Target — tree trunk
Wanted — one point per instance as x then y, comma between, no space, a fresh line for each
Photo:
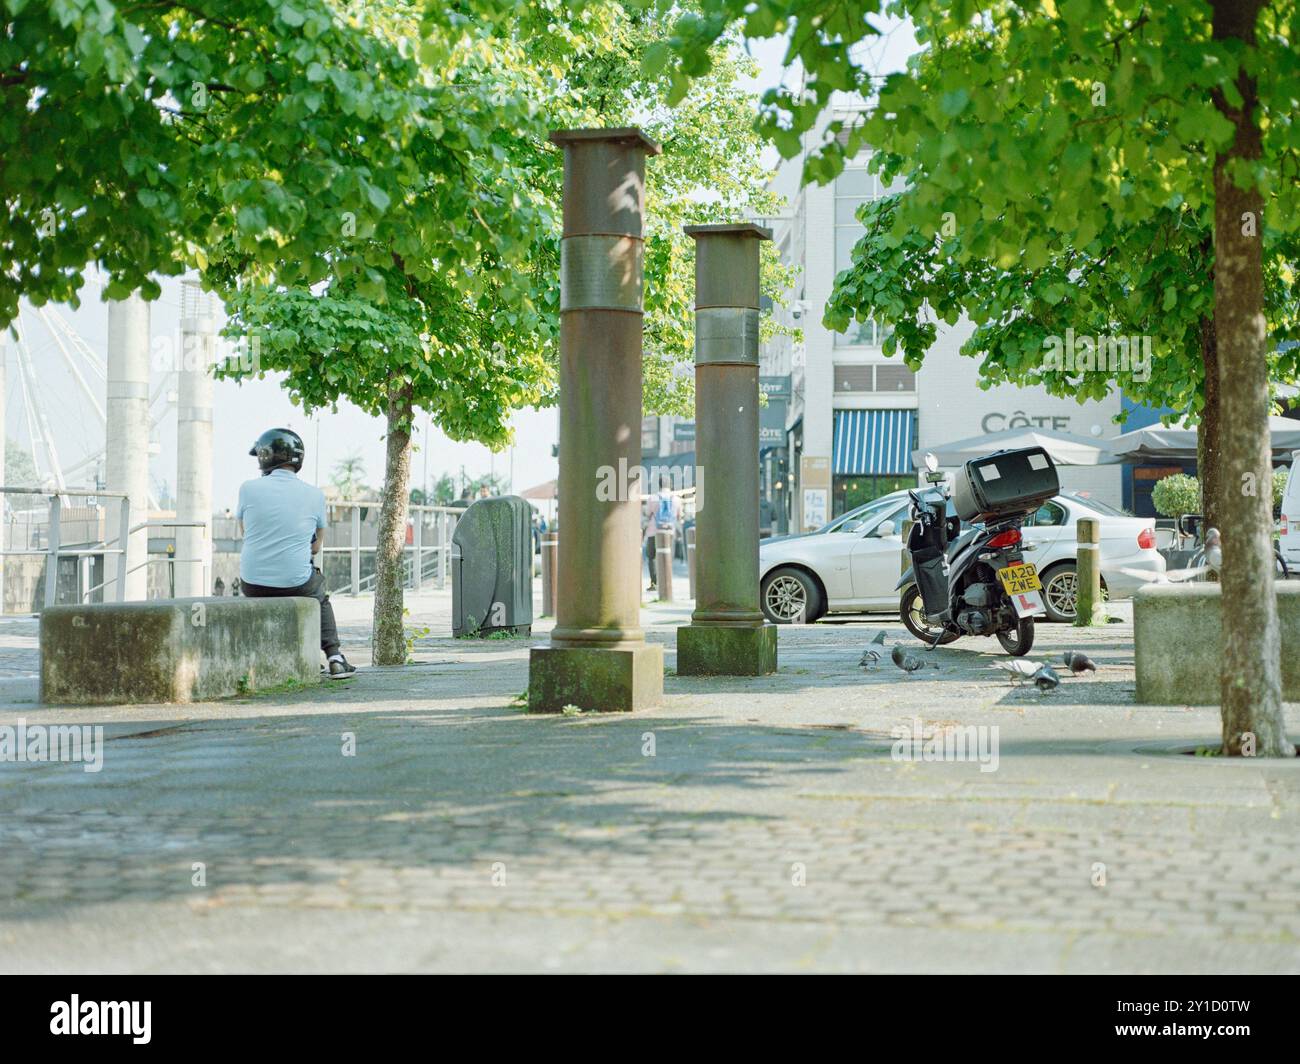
1251,678
1207,437
389,633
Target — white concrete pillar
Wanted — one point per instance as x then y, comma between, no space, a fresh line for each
127,413
194,441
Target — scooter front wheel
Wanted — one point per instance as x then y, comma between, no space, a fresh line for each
912,610
1018,641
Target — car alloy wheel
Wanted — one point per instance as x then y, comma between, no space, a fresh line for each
786,598
1061,594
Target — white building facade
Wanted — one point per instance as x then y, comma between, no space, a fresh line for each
855,416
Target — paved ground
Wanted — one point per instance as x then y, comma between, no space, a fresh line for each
770,830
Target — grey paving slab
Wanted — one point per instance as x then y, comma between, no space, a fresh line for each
771,830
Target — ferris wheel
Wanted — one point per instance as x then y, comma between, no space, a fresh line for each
53,384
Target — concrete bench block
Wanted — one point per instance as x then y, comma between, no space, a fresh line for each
177,650
1177,635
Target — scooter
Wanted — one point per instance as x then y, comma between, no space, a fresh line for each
975,582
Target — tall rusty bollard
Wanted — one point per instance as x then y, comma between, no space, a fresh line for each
1089,608
550,553
598,657
664,564
728,635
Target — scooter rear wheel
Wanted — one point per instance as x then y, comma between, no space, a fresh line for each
912,610
1018,643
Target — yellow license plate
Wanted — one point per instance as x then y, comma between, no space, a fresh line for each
1017,579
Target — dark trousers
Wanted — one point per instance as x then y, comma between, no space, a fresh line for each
313,588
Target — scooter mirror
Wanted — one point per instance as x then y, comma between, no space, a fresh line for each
931,462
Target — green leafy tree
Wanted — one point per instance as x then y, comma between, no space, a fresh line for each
1145,284
144,137
447,314
1176,495
349,477
1279,489
20,469
444,490
1032,130
494,482
456,312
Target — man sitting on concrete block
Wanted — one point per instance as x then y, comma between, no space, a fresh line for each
283,522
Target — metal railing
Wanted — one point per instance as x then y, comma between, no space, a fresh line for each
54,549
423,561
169,559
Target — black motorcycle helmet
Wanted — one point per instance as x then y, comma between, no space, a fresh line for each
279,449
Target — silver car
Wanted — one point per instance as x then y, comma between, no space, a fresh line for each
851,564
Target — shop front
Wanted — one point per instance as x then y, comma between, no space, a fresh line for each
872,456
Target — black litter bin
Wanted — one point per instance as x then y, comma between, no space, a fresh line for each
492,569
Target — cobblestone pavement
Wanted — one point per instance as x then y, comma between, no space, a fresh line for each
20,655
771,829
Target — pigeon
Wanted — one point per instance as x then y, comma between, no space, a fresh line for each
904,660
1018,668
1045,679
870,658
1078,662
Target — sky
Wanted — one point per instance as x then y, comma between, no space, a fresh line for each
243,411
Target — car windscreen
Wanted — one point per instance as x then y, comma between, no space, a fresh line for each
1096,504
862,513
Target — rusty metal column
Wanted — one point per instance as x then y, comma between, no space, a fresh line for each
727,635
598,657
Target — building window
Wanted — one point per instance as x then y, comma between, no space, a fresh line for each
871,377
855,378
895,379
852,491
650,435
854,187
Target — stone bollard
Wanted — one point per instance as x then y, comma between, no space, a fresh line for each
598,657
1089,609
690,559
550,554
664,564
728,635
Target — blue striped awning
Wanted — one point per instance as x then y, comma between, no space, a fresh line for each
875,442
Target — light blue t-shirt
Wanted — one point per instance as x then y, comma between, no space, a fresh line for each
280,515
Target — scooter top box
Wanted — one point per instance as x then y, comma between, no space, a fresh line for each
1005,483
